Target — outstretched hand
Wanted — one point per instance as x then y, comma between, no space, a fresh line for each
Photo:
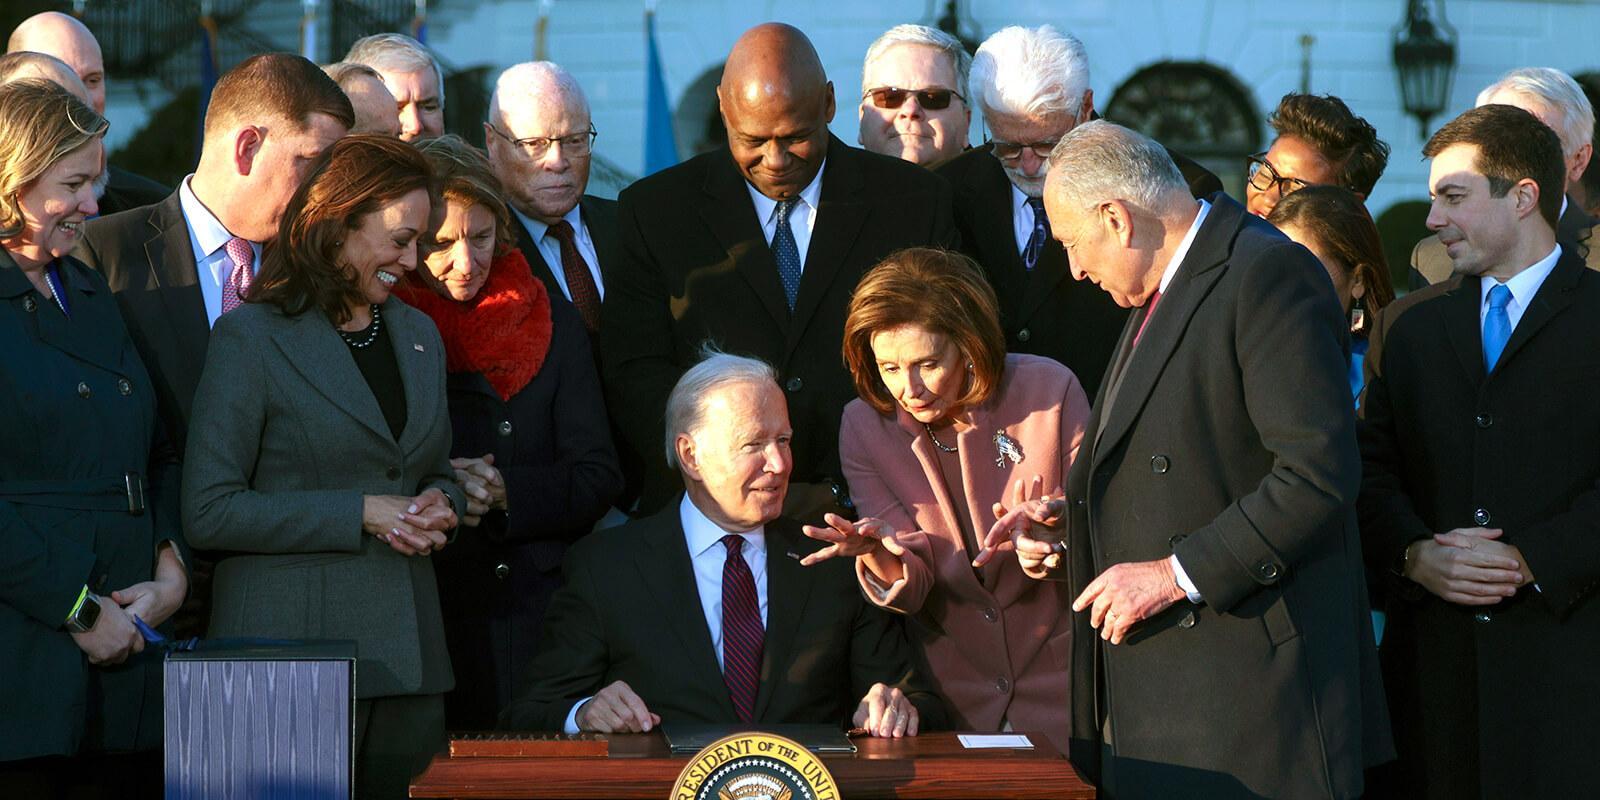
1030,526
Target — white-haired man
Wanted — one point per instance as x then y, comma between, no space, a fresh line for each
56,34
914,95
736,630
1032,87
412,75
1559,102
1211,538
541,142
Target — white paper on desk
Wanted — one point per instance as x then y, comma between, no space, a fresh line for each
976,741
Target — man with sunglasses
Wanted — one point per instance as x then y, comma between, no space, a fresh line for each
1319,142
758,247
1032,86
913,95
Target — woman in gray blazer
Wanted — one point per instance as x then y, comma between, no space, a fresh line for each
321,461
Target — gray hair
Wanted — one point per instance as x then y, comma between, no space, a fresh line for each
949,45
1100,161
1030,72
526,81
344,73
1556,90
396,52
686,404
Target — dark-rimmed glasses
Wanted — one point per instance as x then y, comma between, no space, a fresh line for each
1262,177
930,99
576,145
1011,151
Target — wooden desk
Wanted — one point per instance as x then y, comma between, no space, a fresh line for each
934,765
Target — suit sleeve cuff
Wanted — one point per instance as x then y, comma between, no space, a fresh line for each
1184,583
571,725
875,588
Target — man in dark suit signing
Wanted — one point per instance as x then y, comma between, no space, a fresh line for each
1212,539
758,247
703,612
1481,492
1032,85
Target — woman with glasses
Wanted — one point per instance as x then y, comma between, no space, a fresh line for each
531,441
88,484
946,426
1319,142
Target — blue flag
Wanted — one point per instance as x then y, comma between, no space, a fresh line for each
660,146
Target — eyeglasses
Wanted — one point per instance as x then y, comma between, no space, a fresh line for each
576,145
1263,177
1011,151
930,99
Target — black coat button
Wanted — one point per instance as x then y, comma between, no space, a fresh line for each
1024,335
1160,464
1002,685
1485,420
29,305
393,473
1267,570
794,385
1187,621
124,387
991,615
83,390
505,428
502,570
1481,516
1081,502
1173,540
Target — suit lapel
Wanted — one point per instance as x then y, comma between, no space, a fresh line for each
419,374
1574,226
601,220
1050,270
170,255
536,262
1553,297
664,569
841,213
1462,327
979,480
81,341
996,238
726,209
313,347
788,591
1196,274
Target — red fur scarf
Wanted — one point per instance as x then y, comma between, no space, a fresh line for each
503,332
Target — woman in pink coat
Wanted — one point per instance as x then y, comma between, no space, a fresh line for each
947,427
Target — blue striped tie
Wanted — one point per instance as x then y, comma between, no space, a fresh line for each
1496,326
787,252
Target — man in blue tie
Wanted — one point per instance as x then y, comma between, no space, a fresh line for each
1480,500
703,613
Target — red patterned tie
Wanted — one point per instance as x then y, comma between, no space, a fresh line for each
237,288
1149,311
580,283
742,633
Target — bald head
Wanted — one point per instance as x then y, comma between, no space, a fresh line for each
64,37
25,64
776,103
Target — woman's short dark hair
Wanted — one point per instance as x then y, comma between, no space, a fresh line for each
357,176
940,291
1344,139
1339,223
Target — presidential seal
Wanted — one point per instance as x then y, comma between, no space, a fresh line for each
755,766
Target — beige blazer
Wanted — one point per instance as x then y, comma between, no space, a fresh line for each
997,642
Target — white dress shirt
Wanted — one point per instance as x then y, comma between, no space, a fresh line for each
550,248
1021,218
209,238
802,221
708,554
1524,285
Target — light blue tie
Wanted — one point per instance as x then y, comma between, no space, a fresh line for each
1496,326
787,252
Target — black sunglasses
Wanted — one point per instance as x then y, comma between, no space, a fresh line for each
931,99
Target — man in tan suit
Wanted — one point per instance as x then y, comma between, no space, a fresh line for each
1557,100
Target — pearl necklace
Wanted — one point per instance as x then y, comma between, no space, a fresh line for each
372,331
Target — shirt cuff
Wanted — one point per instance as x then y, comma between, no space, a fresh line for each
571,725
1184,583
879,591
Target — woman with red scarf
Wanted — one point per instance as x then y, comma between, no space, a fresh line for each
531,444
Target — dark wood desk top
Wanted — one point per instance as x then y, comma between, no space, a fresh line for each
933,765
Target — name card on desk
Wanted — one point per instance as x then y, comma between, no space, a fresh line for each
983,741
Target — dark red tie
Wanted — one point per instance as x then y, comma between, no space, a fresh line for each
580,283
742,634
1149,311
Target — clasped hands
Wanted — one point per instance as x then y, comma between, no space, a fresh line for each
114,637
484,485
1467,566
1117,599
884,711
411,525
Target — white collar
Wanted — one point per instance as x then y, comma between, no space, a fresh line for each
702,534
208,231
811,196
1525,284
538,228
1183,246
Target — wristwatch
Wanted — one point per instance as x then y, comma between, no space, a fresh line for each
87,614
